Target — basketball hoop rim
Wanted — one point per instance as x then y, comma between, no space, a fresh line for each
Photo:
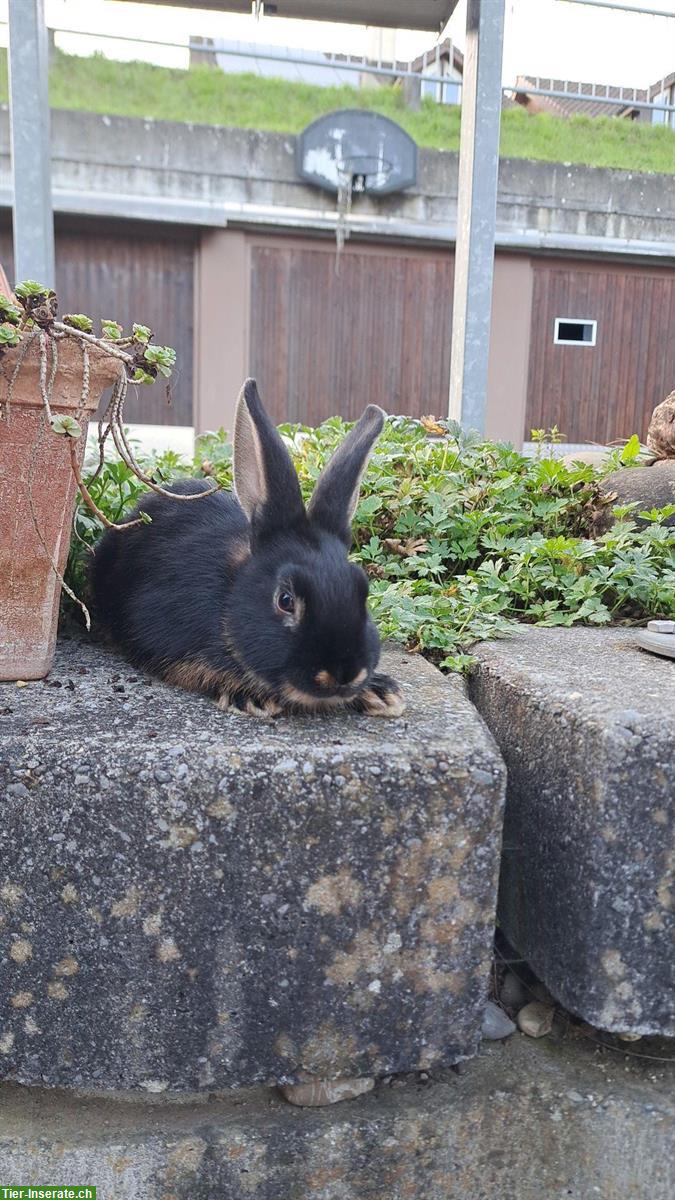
348,167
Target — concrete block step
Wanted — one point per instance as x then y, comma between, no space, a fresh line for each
586,723
193,900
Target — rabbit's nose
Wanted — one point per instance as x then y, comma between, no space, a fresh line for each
325,679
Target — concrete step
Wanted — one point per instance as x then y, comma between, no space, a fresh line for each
193,900
528,1120
586,723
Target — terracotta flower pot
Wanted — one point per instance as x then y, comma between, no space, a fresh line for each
35,461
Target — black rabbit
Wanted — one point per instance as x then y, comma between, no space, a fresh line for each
251,598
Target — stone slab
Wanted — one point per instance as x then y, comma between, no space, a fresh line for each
529,1120
198,900
586,723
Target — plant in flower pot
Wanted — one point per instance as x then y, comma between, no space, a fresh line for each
52,376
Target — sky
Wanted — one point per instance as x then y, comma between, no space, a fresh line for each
542,37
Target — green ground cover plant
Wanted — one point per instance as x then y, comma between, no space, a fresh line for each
205,95
461,537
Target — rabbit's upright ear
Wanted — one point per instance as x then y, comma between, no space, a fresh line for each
265,481
336,495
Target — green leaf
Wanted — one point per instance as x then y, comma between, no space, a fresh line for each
163,357
631,451
111,330
79,321
458,662
9,336
658,515
142,333
9,312
66,426
369,506
141,376
29,288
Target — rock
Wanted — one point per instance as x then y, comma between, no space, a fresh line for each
496,1024
586,723
311,898
661,432
321,1092
540,992
648,487
513,993
536,1019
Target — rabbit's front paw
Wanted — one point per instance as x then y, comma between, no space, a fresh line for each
242,705
381,698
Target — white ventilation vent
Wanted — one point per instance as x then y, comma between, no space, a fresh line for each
574,331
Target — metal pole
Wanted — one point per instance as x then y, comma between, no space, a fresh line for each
31,160
476,211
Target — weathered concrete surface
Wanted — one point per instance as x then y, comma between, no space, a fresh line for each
194,900
210,175
528,1121
586,724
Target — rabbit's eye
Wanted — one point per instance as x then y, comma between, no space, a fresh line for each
286,602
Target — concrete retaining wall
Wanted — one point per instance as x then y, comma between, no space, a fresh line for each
527,1121
208,175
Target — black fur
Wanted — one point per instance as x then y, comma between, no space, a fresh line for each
198,584
158,591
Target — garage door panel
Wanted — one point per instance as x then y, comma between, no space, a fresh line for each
375,331
607,391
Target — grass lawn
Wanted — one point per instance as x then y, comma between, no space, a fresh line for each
204,95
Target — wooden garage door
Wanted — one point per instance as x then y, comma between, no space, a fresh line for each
607,391
131,274
378,332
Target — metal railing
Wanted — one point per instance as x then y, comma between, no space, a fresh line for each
642,9
319,58
628,98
